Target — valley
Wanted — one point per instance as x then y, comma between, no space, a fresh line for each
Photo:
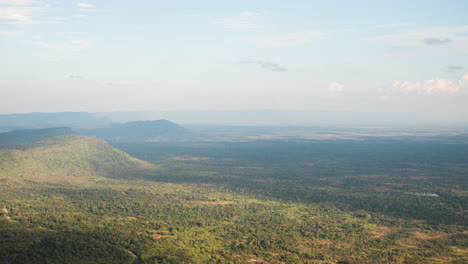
233,132
75,199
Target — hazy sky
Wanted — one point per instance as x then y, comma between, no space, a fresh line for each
109,55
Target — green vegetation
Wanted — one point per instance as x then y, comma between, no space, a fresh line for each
32,135
76,199
154,130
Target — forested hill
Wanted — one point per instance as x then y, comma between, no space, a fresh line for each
154,130
64,158
32,135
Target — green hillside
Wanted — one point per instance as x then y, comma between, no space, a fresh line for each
154,130
40,184
68,158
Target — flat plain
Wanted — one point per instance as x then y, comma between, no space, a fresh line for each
376,199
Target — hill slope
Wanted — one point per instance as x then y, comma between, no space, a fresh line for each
154,130
32,135
63,158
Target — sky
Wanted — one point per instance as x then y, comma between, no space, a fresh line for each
364,56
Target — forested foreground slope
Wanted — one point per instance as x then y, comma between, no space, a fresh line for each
76,199
67,158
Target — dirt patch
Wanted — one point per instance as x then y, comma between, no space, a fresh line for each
344,245
417,178
323,242
419,235
158,236
6,213
460,192
408,243
380,231
216,202
441,260
189,158
461,251
424,235
257,260
204,184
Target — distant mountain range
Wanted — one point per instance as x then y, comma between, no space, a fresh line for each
32,135
84,120
272,117
47,120
156,130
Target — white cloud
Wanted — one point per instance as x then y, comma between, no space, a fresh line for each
335,89
267,65
30,11
85,7
287,39
21,11
436,41
427,87
19,14
69,45
430,87
441,40
18,2
245,21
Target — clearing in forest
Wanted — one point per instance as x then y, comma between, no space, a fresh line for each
6,213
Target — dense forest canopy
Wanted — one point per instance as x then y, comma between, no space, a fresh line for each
75,199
